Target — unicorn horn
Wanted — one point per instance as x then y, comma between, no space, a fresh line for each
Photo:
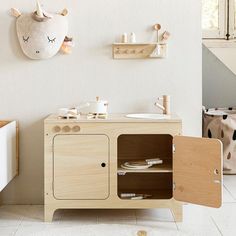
39,10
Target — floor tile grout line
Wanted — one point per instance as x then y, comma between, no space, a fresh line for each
216,226
176,225
18,226
153,218
21,220
177,228
229,192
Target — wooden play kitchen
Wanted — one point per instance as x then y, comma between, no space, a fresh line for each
83,165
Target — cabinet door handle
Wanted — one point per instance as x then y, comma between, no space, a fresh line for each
103,164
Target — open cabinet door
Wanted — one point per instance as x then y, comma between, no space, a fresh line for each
197,171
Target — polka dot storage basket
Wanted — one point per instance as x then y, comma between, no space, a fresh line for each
220,123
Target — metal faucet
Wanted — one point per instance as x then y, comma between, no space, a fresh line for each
166,104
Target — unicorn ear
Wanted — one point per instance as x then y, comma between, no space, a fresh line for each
15,12
64,12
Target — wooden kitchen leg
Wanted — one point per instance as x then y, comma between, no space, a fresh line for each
177,211
48,213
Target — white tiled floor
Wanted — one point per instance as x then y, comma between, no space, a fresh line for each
198,221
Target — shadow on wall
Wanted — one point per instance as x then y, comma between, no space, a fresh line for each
219,82
14,41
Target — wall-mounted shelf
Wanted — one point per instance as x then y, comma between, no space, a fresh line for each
139,50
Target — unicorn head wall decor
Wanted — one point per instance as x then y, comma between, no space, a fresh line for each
42,35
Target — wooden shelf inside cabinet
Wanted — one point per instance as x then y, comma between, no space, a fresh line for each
163,168
139,50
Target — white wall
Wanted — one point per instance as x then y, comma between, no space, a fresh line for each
226,56
30,90
219,82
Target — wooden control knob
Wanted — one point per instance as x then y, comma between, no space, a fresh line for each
57,129
76,128
66,128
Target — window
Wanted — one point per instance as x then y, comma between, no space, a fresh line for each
210,19
219,19
213,18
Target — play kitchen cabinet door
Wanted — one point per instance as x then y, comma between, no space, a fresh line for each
197,171
191,172
81,167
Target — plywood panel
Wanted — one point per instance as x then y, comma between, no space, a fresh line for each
78,173
145,146
159,185
3,123
115,126
197,171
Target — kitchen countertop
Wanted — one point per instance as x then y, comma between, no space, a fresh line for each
113,118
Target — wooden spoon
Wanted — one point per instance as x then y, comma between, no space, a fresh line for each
157,27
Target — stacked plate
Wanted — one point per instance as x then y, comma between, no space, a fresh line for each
135,165
141,165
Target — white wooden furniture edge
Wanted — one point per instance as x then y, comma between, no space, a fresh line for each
9,152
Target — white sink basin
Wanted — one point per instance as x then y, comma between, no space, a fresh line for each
149,116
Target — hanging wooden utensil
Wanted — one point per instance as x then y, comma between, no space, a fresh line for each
157,27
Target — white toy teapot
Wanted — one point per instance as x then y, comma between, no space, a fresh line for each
95,107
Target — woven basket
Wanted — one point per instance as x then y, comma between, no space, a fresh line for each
220,123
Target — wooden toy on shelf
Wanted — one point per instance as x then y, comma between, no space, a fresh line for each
157,27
